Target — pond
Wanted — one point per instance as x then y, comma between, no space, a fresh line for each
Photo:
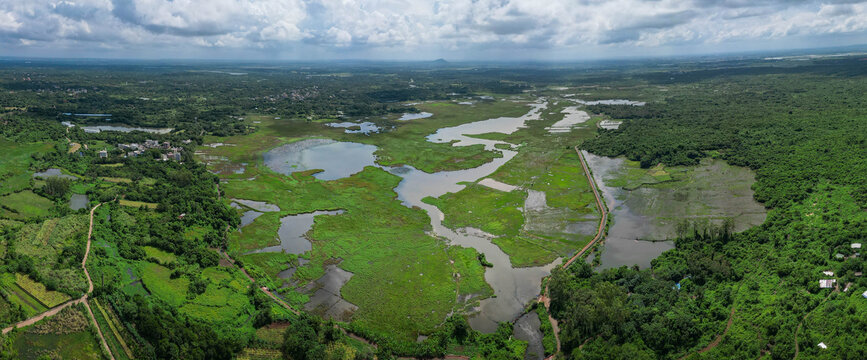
336,159
53,172
644,216
124,128
78,201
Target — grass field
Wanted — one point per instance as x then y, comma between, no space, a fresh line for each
24,205
15,163
161,256
158,281
115,179
137,204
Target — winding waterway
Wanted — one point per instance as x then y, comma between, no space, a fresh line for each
513,287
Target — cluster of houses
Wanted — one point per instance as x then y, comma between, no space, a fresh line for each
830,283
136,149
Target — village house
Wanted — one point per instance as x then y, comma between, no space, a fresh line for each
828,273
103,154
827,283
856,245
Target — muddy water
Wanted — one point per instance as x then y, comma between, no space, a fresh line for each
527,329
291,233
713,191
326,299
572,116
336,159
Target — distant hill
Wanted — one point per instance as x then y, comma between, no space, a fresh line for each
440,62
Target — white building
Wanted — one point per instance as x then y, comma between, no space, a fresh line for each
827,283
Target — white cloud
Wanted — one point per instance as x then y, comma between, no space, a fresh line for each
416,26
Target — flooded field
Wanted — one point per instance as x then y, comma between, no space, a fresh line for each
645,209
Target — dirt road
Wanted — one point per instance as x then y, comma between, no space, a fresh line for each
83,299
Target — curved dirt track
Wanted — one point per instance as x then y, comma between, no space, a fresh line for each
83,299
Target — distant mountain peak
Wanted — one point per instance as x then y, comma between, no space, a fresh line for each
440,61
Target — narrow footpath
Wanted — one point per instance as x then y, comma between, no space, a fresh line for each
600,233
83,299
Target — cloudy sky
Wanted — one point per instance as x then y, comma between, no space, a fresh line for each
422,29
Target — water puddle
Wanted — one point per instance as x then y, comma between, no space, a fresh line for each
291,233
415,116
336,159
288,273
78,201
646,216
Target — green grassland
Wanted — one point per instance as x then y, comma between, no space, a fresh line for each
24,205
163,257
493,211
157,279
15,164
